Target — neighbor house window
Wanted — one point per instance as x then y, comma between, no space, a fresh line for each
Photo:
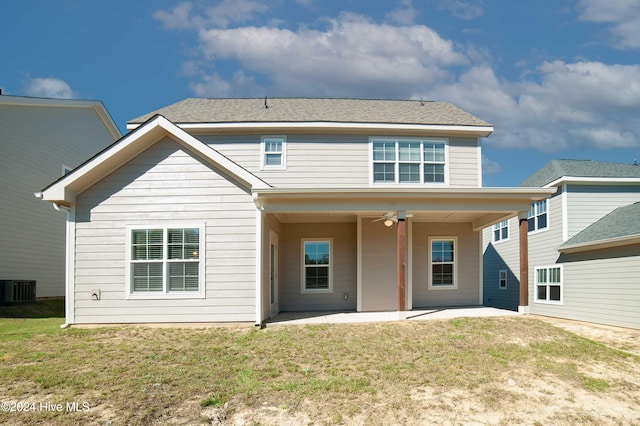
165,261
408,160
316,265
443,263
273,152
538,216
502,279
501,231
548,284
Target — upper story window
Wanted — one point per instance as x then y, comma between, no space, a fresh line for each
538,216
274,152
409,160
501,231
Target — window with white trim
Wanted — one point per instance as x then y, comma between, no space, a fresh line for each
537,218
418,161
316,266
548,281
165,261
273,152
443,263
502,279
501,231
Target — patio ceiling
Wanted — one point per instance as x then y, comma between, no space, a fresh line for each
479,206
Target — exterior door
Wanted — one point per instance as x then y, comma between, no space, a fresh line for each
273,274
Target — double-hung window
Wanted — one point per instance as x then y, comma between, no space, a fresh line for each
417,161
443,263
274,152
316,266
165,262
549,284
537,218
501,231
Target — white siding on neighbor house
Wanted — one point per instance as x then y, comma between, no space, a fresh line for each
163,186
343,236
602,286
35,143
502,255
468,265
332,161
589,203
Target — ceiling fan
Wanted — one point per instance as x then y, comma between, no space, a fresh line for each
389,218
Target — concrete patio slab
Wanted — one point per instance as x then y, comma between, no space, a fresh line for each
301,318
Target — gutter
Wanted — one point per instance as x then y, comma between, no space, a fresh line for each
600,244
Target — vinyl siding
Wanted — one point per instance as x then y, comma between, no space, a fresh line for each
344,267
162,186
379,266
588,204
35,142
332,161
602,286
468,264
497,256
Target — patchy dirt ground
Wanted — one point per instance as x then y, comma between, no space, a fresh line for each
520,398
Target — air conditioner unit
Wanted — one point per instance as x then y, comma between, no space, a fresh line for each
17,291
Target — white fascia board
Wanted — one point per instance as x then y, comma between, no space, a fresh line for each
64,190
535,194
592,180
601,244
295,125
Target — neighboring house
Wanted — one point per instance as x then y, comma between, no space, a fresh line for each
40,140
232,210
584,246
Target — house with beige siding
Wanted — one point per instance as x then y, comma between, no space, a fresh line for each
584,246
40,140
233,210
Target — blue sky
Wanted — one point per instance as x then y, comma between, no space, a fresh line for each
557,78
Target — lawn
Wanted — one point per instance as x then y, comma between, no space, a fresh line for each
460,371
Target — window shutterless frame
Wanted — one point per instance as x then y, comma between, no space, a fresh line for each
443,263
548,287
165,261
408,161
273,152
316,265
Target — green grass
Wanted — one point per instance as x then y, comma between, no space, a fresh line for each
142,375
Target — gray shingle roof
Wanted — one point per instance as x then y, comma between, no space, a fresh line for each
556,169
208,110
622,222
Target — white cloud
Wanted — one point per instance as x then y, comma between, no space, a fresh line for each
462,9
221,15
583,104
490,167
405,14
622,15
353,55
48,88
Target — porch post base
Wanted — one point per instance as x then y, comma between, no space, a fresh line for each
402,315
524,309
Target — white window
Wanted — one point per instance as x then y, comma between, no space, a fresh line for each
548,284
317,266
501,231
502,279
165,262
538,216
274,152
443,267
417,161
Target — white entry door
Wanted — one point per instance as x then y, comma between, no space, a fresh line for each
273,274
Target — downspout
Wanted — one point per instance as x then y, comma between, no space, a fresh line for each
259,238
69,305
